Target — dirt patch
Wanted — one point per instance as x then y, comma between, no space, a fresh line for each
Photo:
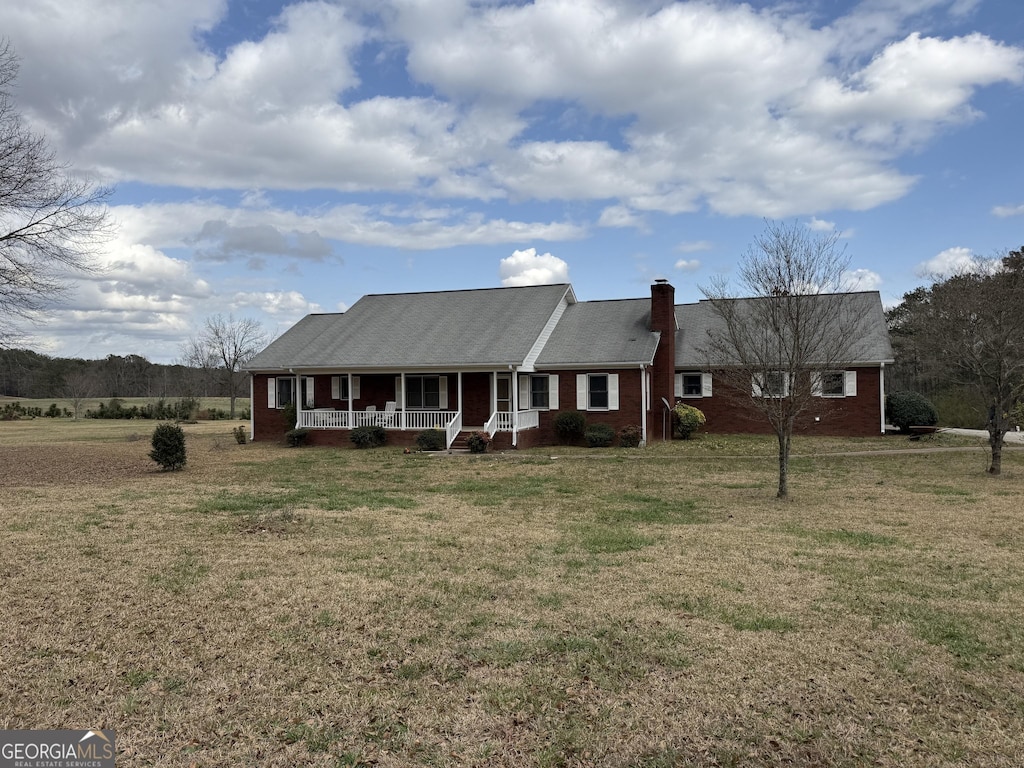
74,463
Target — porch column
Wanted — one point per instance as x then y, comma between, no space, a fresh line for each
645,405
252,406
515,407
350,398
402,404
299,398
459,398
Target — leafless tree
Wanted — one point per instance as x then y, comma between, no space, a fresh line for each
797,325
223,347
79,386
970,331
50,223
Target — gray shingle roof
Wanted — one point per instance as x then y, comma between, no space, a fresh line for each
486,327
695,321
596,332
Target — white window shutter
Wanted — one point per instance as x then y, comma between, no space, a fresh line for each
553,391
310,391
755,386
442,399
613,391
581,392
271,392
679,385
398,392
354,387
816,389
850,383
336,387
525,401
705,385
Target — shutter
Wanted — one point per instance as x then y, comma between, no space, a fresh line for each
705,385
553,391
524,393
442,396
310,391
850,383
271,392
398,392
353,386
755,386
336,387
679,385
613,391
816,390
581,391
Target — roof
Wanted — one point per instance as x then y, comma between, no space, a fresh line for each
484,327
596,332
862,311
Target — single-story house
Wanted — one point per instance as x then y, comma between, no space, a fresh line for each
508,360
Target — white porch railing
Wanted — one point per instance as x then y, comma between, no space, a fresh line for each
529,419
500,421
414,420
453,429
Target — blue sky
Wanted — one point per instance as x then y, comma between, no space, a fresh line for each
274,159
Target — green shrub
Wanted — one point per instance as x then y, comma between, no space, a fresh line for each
241,435
630,436
478,442
368,437
686,420
168,447
290,415
599,435
296,437
430,440
570,426
906,409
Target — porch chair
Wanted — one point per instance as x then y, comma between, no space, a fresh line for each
390,413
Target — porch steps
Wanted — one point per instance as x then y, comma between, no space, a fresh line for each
460,443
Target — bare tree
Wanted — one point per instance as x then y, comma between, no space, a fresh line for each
79,386
50,223
773,349
970,331
224,346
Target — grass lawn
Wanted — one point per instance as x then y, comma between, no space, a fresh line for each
277,607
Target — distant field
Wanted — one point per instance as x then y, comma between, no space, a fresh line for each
93,403
559,607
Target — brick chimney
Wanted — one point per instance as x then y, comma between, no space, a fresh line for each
663,373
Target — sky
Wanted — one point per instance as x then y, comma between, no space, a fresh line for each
273,159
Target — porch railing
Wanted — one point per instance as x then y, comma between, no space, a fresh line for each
453,429
529,419
500,421
414,420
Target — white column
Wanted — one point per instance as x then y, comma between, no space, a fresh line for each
515,408
348,376
252,406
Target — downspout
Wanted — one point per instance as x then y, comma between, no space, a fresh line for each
881,393
645,405
252,406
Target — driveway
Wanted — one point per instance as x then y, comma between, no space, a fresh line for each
1011,437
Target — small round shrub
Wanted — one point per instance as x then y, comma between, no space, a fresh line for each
241,434
430,440
686,420
478,442
368,437
570,426
599,435
906,409
168,447
630,436
296,437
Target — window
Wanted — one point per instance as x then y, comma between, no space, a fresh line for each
339,387
280,392
834,384
423,392
771,384
693,384
539,392
597,392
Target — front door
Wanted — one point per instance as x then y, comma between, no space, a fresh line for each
504,394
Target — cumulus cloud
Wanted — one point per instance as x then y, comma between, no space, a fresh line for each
948,262
621,216
529,268
861,280
219,241
688,265
1004,211
694,246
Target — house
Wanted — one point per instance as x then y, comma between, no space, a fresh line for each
508,360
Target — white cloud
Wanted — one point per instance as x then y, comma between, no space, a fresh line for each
621,216
820,225
694,246
529,268
1004,211
688,265
861,280
949,262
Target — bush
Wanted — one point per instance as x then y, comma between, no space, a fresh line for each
368,437
296,437
478,442
430,440
906,409
570,426
168,447
599,435
686,420
630,437
290,415
241,435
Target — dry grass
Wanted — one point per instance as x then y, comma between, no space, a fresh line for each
275,606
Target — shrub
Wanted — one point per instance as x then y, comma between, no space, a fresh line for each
430,440
906,409
599,435
296,437
368,437
630,436
686,420
478,442
241,435
570,425
168,447
290,415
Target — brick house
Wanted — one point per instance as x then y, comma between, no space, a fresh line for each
508,360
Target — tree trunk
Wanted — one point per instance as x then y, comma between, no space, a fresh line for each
995,440
784,442
232,403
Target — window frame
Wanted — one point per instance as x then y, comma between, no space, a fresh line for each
540,389
591,391
411,381
763,378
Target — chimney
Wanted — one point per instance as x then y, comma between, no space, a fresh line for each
663,373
